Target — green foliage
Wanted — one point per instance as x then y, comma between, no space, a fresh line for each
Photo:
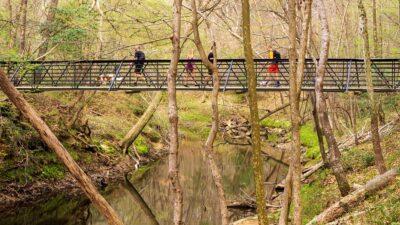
385,209
308,135
313,152
274,123
315,195
52,171
73,25
141,145
356,159
273,138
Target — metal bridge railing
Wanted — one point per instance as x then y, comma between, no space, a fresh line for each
341,75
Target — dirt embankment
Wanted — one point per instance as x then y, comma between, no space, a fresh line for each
102,172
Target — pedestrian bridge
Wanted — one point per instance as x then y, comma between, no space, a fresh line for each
342,75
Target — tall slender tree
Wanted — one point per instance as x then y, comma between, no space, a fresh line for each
374,106
334,153
208,147
296,73
254,119
173,169
22,44
51,15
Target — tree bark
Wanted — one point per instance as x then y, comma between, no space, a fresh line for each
353,115
319,131
81,104
284,216
354,198
138,198
22,45
51,140
12,24
375,30
334,153
173,167
46,32
208,147
131,136
376,142
295,90
254,118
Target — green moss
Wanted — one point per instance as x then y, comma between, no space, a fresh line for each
315,196
140,172
313,152
52,171
358,158
308,136
273,123
273,138
385,209
141,145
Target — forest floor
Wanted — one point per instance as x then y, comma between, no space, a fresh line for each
30,172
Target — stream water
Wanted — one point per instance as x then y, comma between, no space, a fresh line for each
200,198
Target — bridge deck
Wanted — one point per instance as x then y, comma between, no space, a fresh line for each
341,75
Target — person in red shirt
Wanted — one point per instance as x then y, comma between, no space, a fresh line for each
273,68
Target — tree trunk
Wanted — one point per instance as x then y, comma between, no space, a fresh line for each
51,140
46,32
334,153
173,169
12,24
295,90
208,147
319,131
72,123
375,30
138,198
22,45
100,31
254,119
131,136
376,142
284,216
353,115
354,198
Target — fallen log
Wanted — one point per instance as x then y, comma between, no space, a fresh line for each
348,142
131,136
54,144
354,198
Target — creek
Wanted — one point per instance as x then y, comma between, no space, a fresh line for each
200,198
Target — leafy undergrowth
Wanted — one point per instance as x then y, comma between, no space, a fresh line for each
382,207
23,156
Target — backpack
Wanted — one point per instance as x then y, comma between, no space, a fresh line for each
277,55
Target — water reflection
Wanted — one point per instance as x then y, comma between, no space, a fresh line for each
200,197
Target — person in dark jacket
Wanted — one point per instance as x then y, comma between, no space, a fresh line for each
140,58
211,59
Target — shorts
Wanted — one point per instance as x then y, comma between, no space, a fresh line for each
210,72
138,68
273,68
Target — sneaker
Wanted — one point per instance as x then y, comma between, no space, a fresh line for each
278,83
263,83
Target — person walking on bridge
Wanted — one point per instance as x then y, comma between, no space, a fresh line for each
211,59
273,68
189,67
139,62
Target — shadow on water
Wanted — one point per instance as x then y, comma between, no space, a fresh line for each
200,198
